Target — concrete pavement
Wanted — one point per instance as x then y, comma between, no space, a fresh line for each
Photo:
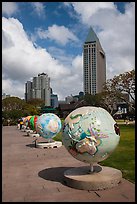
32,174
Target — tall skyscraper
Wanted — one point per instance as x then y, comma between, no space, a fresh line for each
39,88
94,64
28,90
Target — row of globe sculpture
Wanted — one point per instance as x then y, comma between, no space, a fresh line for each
90,134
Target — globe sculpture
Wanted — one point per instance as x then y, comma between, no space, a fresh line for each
26,120
33,121
48,125
90,134
29,122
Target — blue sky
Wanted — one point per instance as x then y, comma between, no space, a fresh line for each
48,37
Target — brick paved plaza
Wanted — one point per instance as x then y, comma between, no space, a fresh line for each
31,174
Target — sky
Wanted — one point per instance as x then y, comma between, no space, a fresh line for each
48,37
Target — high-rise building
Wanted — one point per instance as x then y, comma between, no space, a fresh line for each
39,88
54,100
94,64
28,90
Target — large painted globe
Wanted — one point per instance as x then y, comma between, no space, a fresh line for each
48,125
90,134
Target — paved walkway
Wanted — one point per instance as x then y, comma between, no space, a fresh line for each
31,174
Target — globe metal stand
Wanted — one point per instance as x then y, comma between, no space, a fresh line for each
91,168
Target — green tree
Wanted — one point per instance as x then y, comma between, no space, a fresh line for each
117,89
12,103
14,108
37,102
93,100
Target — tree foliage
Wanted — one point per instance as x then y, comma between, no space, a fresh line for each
93,100
12,103
36,102
100,100
120,89
14,108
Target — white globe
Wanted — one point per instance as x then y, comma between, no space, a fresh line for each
90,134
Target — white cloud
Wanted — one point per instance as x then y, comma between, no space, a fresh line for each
21,61
60,34
9,8
116,32
13,88
39,8
6,40
86,9
77,64
61,55
72,84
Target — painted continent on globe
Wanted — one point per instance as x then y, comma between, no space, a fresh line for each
90,134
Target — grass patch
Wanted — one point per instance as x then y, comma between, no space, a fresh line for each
123,157
58,137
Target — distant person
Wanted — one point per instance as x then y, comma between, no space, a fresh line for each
18,126
117,130
21,123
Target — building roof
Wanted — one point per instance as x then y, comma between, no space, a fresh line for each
91,37
66,107
73,106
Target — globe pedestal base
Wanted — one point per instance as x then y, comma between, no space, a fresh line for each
101,178
29,132
34,135
44,145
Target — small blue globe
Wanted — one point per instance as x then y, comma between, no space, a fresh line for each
48,125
